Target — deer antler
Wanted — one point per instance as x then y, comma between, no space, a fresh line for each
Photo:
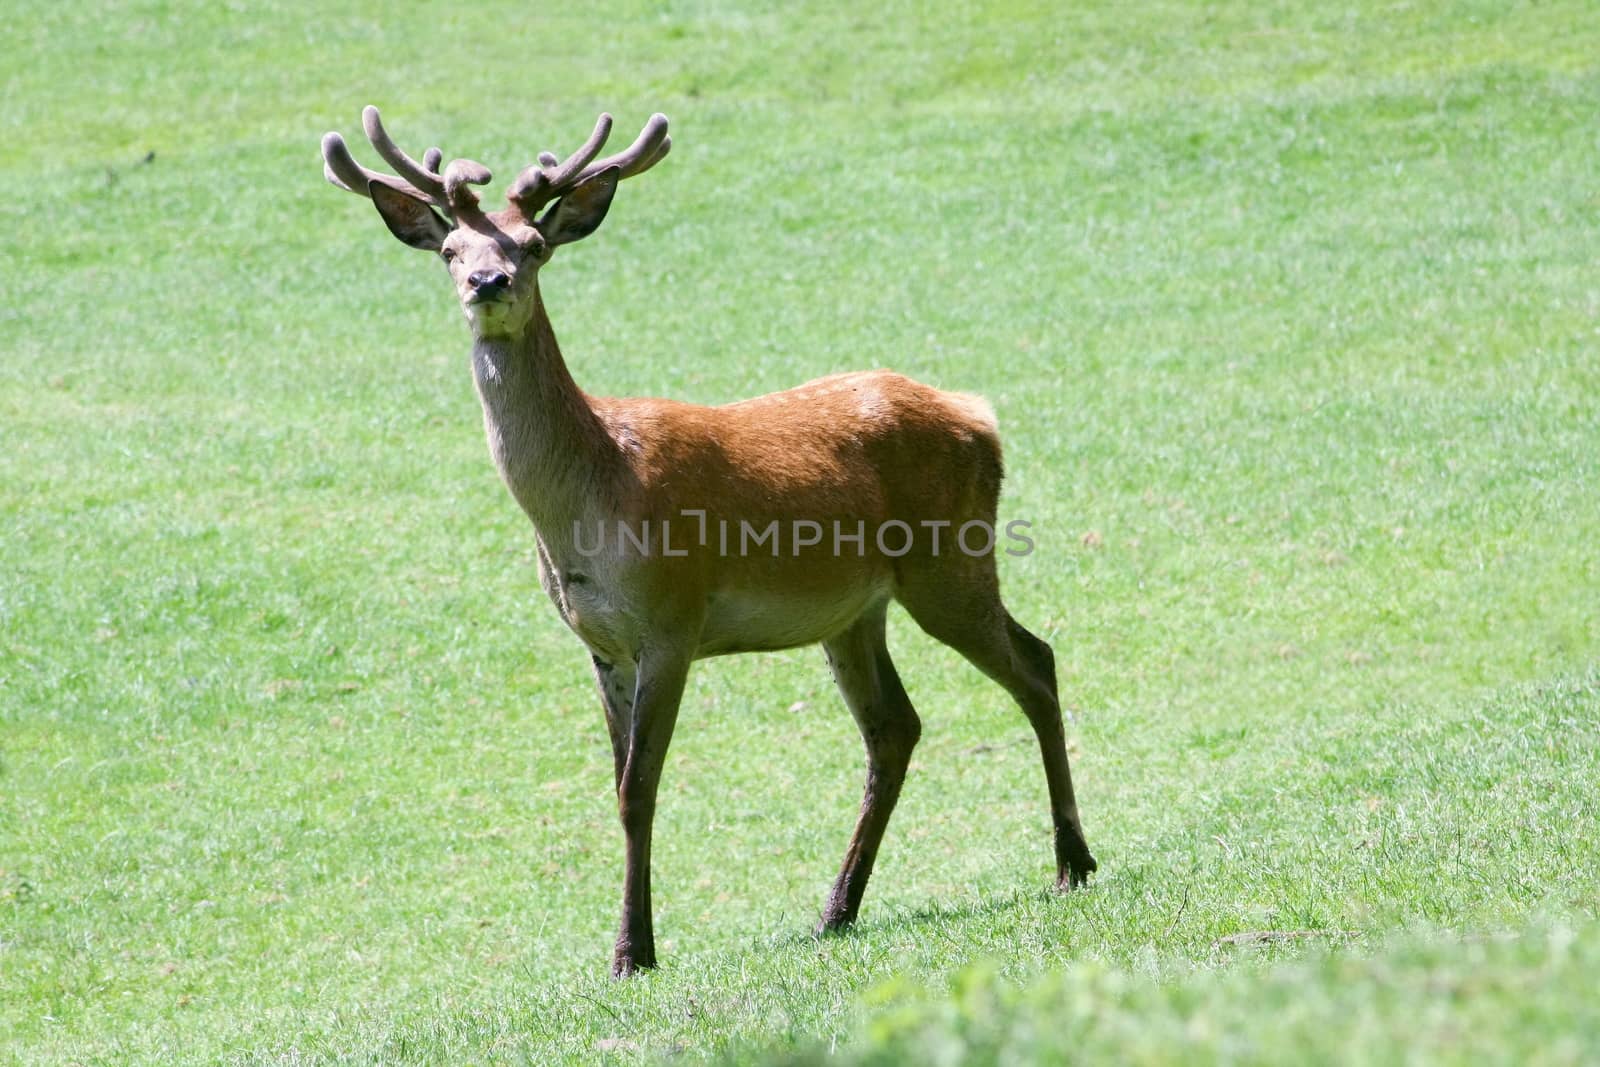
447,191
547,179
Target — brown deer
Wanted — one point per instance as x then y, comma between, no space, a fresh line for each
633,501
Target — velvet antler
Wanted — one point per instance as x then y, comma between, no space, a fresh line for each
547,179
448,191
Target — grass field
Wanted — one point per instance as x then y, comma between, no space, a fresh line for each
1291,317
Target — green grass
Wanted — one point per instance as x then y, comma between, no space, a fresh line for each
1523,999
1292,308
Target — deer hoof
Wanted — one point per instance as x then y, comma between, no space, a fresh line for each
827,927
627,963
1078,868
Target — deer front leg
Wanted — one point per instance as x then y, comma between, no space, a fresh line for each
661,676
616,682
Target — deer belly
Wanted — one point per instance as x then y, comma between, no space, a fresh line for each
744,620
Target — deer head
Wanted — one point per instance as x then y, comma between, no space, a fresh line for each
493,257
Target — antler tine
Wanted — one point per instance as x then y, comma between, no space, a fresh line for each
427,180
576,162
341,169
457,176
645,151
544,181
657,157
546,178
423,181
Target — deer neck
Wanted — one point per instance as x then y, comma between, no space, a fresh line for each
550,446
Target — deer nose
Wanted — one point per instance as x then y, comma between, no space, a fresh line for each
488,282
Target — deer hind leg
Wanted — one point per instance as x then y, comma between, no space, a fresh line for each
960,605
889,725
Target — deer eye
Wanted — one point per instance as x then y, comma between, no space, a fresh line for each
447,254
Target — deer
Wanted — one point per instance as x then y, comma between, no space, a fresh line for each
862,451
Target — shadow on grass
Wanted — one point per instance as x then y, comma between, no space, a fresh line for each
926,917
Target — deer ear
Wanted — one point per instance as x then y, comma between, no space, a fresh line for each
408,218
580,212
